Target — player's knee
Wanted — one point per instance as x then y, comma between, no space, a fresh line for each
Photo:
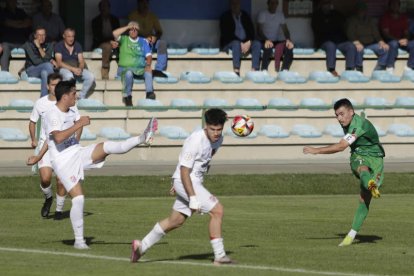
45,182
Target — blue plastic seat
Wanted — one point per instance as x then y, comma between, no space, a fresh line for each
204,49
32,80
402,52
282,104
114,133
87,135
273,131
303,51
98,51
173,132
401,130
323,77
168,80
12,134
249,103
7,78
334,130
408,74
314,104
291,77
184,104
404,101
306,131
92,105
381,133
230,133
377,102
368,52
354,76
18,51
211,102
152,104
227,77
384,76
22,105
260,77
195,77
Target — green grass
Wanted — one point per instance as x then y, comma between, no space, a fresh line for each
276,225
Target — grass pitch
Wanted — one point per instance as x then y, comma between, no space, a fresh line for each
292,230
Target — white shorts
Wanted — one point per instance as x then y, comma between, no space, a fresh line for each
45,161
70,167
206,199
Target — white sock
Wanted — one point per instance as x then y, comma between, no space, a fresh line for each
154,236
76,217
111,147
47,191
218,248
352,233
60,201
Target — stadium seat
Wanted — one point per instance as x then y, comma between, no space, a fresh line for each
212,102
152,104
173,132
406,102
175,49
291,77
314,104
323,77
354,76
168,80
402,130
353,102
32,80
12,134
87,135
377,102
18,51
230,133
260,77
204,49
91,105
381,133
281,104
184,104
249,103
97,51
114,133
368,52
408,74
384,76
273,131
227,77
334,130
402,52
195,77
22,105
303,51
7,78
306,131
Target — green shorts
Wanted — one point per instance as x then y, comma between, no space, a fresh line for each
375,164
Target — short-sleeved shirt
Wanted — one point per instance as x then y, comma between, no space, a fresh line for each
132,53
396,26
67,57
196,154
363,138
271,23
39,110
54,120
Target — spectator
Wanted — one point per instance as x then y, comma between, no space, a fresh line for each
134,61
329,32
51,22
363,32
70,61
102,27
150,28
16,27
39,61
269,24
394,28
237,35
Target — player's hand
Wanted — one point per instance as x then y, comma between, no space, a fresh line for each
194,205
32,160
34,144
310,150
84,120
172,190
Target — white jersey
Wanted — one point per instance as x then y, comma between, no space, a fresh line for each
58,120
196,154
271,23
41,106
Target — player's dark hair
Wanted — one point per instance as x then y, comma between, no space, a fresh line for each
64,87
53,76
215,116
343,102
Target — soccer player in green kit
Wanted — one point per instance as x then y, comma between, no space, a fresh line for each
366,159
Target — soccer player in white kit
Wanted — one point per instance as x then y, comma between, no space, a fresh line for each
69,160
191,195
42,105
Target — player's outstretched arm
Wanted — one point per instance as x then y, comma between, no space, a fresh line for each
61,135
334,148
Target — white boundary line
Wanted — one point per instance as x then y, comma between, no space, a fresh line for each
251,267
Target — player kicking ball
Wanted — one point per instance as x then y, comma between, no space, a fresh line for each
69,160
191,195
366,159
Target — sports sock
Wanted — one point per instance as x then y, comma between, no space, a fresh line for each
360,216
364,177
352,233
111,147
60,201
47,191
154,236
218,248
76,217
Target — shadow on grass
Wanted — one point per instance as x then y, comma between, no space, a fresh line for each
358,238
66,215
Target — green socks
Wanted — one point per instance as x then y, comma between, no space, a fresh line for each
360,216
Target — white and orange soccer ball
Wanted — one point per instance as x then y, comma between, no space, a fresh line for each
242,125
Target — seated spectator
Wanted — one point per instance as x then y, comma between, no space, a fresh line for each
394,28
364,33
269,24
329,33
150,28
16,28
52,22
102,27
237,35
70,61
39,61
134,61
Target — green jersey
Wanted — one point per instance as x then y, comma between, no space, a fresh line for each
363,137
132,53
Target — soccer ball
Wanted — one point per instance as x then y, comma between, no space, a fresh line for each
242,125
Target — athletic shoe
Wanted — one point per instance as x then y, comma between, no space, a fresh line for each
223,261
136,251
150,131
372,187
81,245
347,241
151,96
46,207
58,216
